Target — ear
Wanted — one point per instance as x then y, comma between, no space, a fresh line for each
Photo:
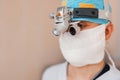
108,31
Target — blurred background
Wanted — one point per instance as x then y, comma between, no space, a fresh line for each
27,45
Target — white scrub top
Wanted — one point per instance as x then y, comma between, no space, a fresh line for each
59,72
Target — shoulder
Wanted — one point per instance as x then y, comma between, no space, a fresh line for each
115,72
112,74
54,71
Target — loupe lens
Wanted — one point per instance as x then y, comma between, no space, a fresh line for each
72,31
56,32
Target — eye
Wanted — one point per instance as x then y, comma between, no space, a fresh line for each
81,25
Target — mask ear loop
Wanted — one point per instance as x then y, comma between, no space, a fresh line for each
110,58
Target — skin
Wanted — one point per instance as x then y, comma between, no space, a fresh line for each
88,72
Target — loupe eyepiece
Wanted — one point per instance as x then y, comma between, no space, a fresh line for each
72,31
74,28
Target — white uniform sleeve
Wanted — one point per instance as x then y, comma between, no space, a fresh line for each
56,72
46,75
49,74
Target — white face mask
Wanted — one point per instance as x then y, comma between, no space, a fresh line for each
84,48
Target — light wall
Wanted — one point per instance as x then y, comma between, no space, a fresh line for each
27,45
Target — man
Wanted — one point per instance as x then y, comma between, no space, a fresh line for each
82,43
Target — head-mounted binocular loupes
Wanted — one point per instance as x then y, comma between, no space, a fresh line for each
64,17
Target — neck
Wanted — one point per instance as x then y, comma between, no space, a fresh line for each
88,71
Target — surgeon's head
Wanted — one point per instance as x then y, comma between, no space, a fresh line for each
89,25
